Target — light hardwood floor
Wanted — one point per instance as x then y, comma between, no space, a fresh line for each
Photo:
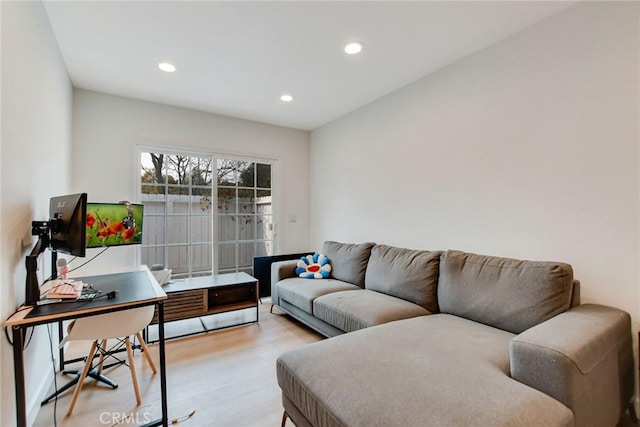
228,377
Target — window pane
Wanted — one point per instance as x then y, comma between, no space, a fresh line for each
177,229
151,256
153,230
264,227
178,259
264,248
201,258
263,202
246,199
153,189
201,229
178,200
201,171
246,174
246,228
226,200
178,192
227,227
152,168
245,254
264,175
227,256
226,172
201,201
178,169
201,273
154,204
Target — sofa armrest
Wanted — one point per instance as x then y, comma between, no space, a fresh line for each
281,270
582,358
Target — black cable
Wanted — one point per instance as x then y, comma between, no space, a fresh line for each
87,262
55,380
6,332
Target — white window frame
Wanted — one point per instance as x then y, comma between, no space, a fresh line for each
214,194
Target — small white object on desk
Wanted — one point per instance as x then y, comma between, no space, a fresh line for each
162,275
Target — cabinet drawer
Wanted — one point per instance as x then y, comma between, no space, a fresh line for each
183,305
244,293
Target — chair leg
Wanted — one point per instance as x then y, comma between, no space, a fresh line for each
285,415
103,349
132,368
85,371
147,355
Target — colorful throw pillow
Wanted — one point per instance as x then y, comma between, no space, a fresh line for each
314,266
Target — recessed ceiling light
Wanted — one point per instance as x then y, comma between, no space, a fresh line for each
286,98
167,66
354,47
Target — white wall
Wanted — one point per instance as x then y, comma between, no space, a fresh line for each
107,129
36,153
528,149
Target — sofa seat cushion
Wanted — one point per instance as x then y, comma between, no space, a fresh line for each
505,293
437,370
353,310
301,292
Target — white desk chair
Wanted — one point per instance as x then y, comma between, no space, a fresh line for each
107,326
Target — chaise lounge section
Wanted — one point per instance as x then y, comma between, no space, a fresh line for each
500,342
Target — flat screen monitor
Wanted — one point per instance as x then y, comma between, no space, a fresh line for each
68,222
113,224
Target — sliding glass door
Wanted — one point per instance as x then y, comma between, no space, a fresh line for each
205,214
245,214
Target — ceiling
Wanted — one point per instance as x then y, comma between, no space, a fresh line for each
236,58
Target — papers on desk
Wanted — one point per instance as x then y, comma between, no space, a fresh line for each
59,288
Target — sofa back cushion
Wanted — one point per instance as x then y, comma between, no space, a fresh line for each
348,260
505,293
405,273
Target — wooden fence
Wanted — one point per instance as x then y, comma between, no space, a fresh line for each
183,226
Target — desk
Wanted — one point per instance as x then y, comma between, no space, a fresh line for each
136,289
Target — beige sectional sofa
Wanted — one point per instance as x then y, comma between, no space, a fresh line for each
450,339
